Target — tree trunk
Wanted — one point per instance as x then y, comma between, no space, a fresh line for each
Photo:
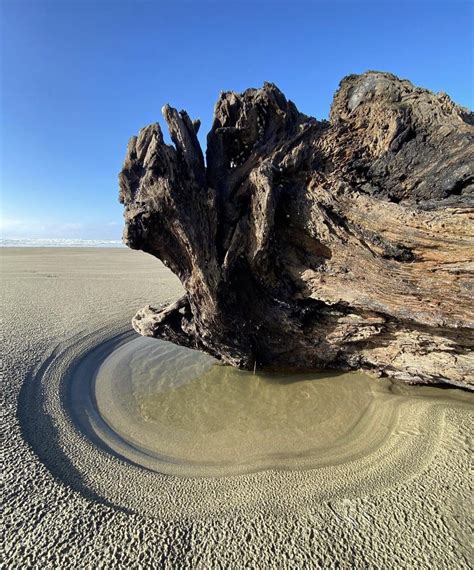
306,244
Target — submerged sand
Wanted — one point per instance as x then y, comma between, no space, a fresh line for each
207,467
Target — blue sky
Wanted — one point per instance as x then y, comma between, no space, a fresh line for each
80,77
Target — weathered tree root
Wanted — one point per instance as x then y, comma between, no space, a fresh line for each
313,244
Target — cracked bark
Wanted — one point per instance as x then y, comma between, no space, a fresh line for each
306,244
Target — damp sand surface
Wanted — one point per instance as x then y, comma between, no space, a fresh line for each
126,451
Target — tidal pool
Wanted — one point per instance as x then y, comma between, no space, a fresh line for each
178,411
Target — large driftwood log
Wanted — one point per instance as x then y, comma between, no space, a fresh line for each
314,244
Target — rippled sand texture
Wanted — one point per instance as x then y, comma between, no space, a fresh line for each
114,462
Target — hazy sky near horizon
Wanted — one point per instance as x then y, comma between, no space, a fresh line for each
78,78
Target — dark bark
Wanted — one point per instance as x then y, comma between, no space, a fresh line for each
313,244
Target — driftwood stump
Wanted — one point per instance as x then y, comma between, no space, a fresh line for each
306,244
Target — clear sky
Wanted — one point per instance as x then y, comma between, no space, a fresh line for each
80,77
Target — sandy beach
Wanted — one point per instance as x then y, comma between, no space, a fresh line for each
383,483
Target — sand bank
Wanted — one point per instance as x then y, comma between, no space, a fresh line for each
392,490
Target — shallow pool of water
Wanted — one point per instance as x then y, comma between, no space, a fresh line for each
178,411
180,403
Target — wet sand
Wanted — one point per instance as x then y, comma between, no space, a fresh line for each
188,463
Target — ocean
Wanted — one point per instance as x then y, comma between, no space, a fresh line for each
7,242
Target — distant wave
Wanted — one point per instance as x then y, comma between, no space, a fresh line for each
6,242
